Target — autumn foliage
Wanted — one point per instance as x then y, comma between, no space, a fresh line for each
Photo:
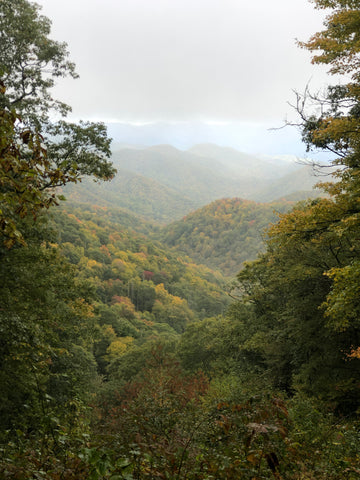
122,359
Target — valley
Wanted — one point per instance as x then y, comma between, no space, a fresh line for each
177,310
163,184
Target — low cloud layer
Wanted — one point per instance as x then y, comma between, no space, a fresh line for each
185,60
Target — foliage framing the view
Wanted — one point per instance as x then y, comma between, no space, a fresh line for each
37,154
304,288
280,368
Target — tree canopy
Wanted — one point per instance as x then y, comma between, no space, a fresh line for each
46,318
304,288
30,61
118,360
37,152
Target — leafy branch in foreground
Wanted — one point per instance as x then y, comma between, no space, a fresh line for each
30,62
37,154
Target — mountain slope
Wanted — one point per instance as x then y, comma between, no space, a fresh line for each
163,184
201,179
116,255
223,234
242,164
301,182
138,194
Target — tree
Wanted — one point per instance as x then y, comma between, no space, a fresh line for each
304,288
46,320
38,155
156,419
337,130
288,286
30,62
338,46
46,326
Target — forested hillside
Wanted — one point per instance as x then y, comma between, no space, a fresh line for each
163,183
224,234
147,198
141,291
121,262
123,359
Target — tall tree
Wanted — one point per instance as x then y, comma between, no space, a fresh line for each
30,62
336,130
46,322
38,155
305,286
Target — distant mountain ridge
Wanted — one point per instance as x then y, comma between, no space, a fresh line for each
242,136
244,164
162,183
136,194
201,178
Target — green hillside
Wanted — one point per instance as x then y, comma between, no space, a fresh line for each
111,247
163,184
223,234
146,197
201,179
143,291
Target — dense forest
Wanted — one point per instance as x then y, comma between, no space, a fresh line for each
162,183
225,345
223,234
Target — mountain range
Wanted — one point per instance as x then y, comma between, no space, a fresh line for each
162,183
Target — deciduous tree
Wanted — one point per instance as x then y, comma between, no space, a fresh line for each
304,288
37,154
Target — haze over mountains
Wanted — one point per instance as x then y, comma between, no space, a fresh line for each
252,138
162,183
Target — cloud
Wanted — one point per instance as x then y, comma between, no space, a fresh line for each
180,60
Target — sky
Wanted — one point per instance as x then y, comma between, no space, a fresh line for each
226,67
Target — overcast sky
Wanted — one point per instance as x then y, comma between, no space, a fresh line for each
185,60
